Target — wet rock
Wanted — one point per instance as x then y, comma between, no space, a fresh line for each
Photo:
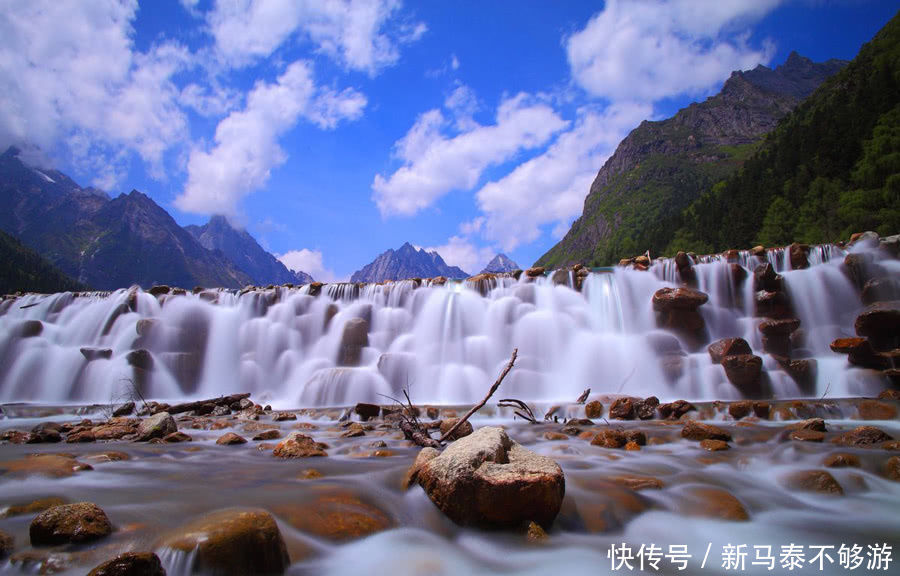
842,460
298,445
812,481
593,409
816,424
880,322
267,435
740,409
632,446
535,533
30,329
728,347
675,410
80,436
353,431
338,516
668,299
779,327
131,564
645,409
91,354
610,438
367,411
744,371
889,395
807,435
176,438
875,410
32,507
7,544
863,436
799,254
157,426
284,417
69,523
52,465
46,433
113,431
555,436
637,483
535,272
488,480
354,338
622,409
232,542
124,410
892,468
464,430
699,431
140,358
715,503
230,439
412,473
862,354
714,445
636,437
881,290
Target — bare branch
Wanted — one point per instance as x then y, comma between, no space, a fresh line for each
515,402
584,396
490,393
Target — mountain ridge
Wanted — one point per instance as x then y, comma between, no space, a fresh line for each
404,263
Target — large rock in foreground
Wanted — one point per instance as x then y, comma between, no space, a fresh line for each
232,542
131,564
69,523
488,480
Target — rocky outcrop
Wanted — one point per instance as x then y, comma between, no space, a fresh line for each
488,480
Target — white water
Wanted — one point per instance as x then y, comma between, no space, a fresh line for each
445,343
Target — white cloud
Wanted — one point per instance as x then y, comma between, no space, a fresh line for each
463,103
454,62
354,32
247,147
646,50
459,251
210,101
435,164
309,261
69,74
551,188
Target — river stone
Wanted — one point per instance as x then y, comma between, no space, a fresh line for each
464,430
862,436
728,347
424,456
69,523
700,431
32,507
130,564
230,438
593,409
232,542
744,371
879,320
337,515
666,299
157,426
298,445
488,480
6,544
813,481
354,338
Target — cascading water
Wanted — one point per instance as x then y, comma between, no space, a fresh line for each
444,342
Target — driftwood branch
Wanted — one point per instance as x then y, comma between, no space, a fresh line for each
526,414
418,435
584,396
477,407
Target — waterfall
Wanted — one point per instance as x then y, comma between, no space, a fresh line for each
344,343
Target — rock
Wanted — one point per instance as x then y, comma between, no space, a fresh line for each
30,329
672,366
140,359
354,338
91,354
862,436
610,438
813,481
714,445
799,254
337,516
622,409
880,322
807,435
52,465
715,503
682,260
298,445
7,544
284,417
842,460
535,272
412,474
130,564
177,437
367,411
637,483
487,480
32,507
353,431
124,410
892,468
267,435
159,425
593,409
80,436
234,541
159,290
667,299
728,347
645,409
766,279
699,431
779,327
803,372
230,439
675,410
740,409
862,354
535,533
69,524
816,424
744,371
46,433
889,395
462,431
875,410
881,290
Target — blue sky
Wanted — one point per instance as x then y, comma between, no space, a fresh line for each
334,130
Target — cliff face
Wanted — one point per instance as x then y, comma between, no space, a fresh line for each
663,166
406,262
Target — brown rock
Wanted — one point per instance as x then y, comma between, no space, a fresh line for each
816,424
714,445
889,395
637,483
354,431
728,347
367,411
610,438
535,533
464,430
412,474
298,445
53,465
813,481
740,409
622,409
535,272
69,523
645,409
699,431
715,503
159,425
355,337
232,542
892,468
744,371
846,345
230,439
675,410
177,438
555,436
337,516
632,446
880,321
799,254
284,417
131,564
842,460
80,436
779,327
807,435
667,299
32,507
486,480
864,436
267,435
593,409
875,410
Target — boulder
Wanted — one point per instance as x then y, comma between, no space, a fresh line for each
622,409
728,347
354,430
7,544
779,327
488,480
464,430
675,410
298,445
610,438
744,371
881,290
123,410
799,254
233,541
535,272
646,409
880,322
131,564
847,345
159,425
69,524
367,411
593,409
230,439
813,481
412,474
766,279
267,435
864,436
140,359
336,515
667,299
91,354
699,431
354,338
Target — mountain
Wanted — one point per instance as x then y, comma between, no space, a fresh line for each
831,168
105,243
243,250
501,263
406,262
24,269
661,167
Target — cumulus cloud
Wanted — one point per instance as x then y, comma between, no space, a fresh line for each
357,33
462,252
550,188
246,141
309,261
69,74
435,163
646,50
